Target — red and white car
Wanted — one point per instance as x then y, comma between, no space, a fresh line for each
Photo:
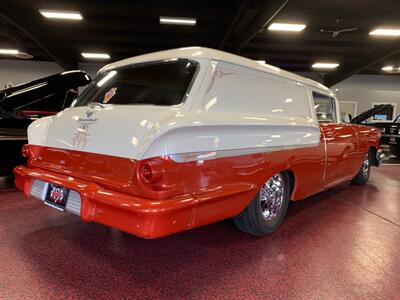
177,139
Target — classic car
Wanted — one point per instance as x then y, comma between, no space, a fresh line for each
390,131
177,139
22,104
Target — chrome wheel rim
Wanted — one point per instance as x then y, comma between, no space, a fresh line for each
271,197
365,167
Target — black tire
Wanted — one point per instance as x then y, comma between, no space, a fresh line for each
252,220
364,172
395,149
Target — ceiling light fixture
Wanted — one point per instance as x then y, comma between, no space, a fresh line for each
65,15
391,69
286,27
324,65
9,51
388,68
95,55
262,62
385,32
178,21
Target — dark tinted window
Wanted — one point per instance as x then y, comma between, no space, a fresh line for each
158,83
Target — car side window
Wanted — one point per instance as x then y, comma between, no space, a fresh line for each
325,108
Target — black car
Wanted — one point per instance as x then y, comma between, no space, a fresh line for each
22,104
390,130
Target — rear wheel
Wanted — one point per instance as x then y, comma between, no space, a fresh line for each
395,149
363,174
266,211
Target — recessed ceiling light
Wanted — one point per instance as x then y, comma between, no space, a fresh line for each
262,62
9,51
388,68
286,27
391,69
96,55
66,15
323,65
178,21
386,32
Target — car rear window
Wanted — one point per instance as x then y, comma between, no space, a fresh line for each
155,83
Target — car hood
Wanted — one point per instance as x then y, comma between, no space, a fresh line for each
369,113
26,94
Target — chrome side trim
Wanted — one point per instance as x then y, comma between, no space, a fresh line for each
207,155
39,189
325,156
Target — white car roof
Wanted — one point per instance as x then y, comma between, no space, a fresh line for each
212,54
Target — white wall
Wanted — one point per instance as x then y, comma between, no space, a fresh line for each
20,71
367,89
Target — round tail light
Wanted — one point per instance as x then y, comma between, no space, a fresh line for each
151,172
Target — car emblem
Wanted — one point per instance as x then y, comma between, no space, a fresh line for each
89,113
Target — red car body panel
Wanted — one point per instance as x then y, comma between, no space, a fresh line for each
196,193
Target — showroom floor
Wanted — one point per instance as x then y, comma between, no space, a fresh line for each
339,244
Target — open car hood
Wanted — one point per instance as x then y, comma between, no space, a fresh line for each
48,93
369,113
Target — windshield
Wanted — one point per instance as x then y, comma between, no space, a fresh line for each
155,83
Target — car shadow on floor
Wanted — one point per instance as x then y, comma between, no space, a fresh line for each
72,254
